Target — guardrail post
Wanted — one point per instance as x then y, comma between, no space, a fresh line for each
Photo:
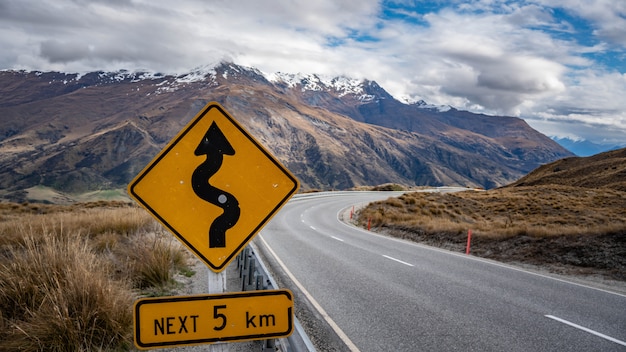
251,269
269,345
245,261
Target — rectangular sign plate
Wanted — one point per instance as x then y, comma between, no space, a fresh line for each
198,319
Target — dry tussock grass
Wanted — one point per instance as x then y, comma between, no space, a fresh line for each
90,221
504,213
557,225
57,295
70,274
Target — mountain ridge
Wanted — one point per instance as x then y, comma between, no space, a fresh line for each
602,170
95,131
583,147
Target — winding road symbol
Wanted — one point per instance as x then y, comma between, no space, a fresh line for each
213,178
215,145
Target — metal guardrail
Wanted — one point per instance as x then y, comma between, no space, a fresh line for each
254,276
251,277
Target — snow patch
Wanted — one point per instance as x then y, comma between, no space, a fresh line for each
424,105
313,82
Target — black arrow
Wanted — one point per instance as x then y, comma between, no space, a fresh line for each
215,145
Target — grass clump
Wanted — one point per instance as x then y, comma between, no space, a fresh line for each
69,275
152,261
57,295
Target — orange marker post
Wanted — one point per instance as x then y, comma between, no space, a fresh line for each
469,241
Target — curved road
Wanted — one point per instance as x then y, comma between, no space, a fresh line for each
386,294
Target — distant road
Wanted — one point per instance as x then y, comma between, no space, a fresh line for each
386,294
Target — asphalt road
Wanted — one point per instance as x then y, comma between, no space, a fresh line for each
385,294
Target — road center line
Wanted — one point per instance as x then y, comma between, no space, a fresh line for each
619,342
342,335
397,260
337,238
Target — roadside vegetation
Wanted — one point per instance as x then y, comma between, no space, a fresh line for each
562,228
69,275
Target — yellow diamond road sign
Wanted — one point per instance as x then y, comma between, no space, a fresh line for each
214,186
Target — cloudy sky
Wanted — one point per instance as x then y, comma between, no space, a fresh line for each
559,64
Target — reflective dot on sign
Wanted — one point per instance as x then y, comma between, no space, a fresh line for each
222,199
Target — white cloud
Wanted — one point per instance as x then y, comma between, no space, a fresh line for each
481,60
505,58
591,108
607,16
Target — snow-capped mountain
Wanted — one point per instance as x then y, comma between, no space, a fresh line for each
77,133
583,147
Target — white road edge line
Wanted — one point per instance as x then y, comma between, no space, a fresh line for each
317,306
337,238
296,324
397,260
619,342
479,259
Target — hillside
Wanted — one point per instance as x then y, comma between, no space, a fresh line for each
604,170
568,217
83,133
